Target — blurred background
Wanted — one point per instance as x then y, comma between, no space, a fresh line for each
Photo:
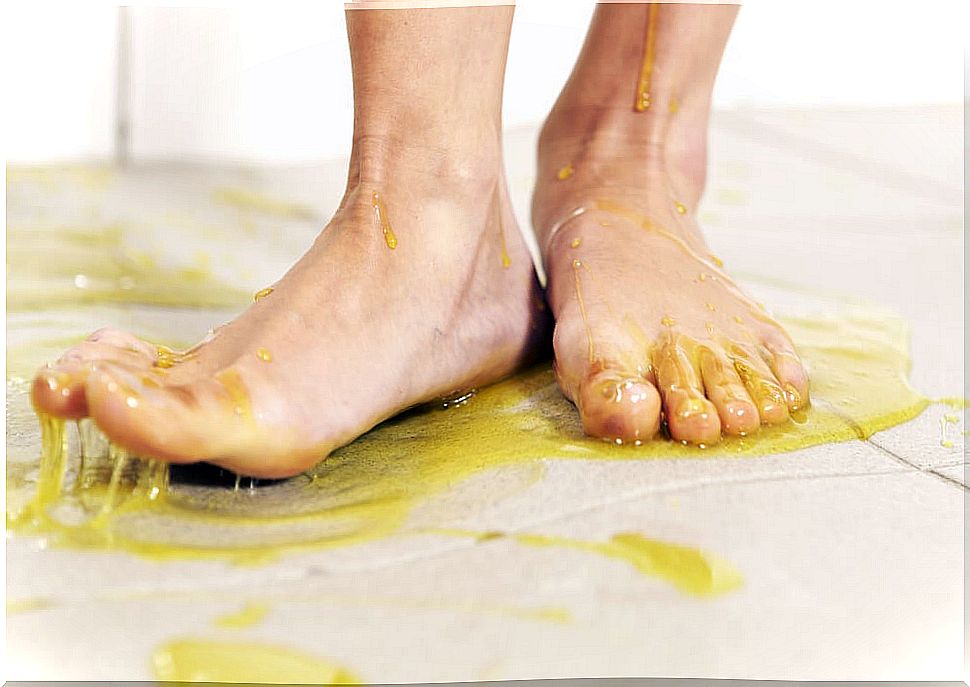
270,82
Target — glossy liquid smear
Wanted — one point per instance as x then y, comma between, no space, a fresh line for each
382,222
366,490
688,569
202,660
642,101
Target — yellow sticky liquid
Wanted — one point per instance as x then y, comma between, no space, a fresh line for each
250,614
262,293
680,207
238,395
565,172
642,101
382,222
204,660
31,603
264,355
577,266
497,213
70,267
858,364
688,569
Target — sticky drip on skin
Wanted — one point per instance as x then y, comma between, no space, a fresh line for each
577,266
264,355
382,222
565,172
238,396
166,358
646,69
262,293
680,207
711,261
497,212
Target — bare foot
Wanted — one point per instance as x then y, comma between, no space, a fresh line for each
649,327
419,287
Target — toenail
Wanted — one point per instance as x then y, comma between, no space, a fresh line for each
693,407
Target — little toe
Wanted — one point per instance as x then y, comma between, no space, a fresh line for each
618,407
737,412
761,385
691,417
790,373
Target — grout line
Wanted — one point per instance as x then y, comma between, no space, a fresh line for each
917,468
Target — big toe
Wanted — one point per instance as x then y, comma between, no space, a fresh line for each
60,388
618,407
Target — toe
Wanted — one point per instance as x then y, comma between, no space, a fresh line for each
738,414
178,423
691,417
60,391
761,385
210,419
618,407
790,373
60,388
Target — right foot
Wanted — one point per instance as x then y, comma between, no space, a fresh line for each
420,287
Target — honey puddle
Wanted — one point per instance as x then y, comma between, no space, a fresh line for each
204,660
71,267
688,569
250,614
858,362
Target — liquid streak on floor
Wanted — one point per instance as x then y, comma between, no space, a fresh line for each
440,495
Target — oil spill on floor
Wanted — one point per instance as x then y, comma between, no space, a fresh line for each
206,660
366,490
251,614
72,273
690,570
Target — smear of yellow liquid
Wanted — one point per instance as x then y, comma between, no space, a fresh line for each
646,68
858,364
205,660
262,293
84,266
264,355
382,221
688,569
31,603
565,172
250,614
246,199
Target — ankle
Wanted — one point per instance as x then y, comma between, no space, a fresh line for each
672,139
470,167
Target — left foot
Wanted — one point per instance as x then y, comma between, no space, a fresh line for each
649,327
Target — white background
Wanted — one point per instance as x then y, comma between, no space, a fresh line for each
270,82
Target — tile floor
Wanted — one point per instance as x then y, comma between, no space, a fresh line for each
851,554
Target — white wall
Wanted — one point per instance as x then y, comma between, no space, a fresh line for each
271,82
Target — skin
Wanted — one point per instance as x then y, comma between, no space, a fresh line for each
357,330
649,327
